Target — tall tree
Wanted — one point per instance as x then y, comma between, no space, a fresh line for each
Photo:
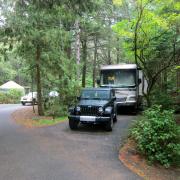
151,37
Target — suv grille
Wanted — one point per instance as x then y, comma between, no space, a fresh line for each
89,111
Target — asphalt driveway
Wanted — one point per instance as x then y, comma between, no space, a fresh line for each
57,153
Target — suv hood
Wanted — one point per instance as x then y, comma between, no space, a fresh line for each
92,102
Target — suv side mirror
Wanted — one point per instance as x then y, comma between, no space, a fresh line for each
114,98
78,98
98,81
139,81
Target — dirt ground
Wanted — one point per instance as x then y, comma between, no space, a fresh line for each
27,117
136,163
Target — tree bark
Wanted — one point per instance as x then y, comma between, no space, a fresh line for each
136,34
165,80
118,51
109,43
38,78
148,100
94,62
84,57
109,56
178,79
32,87
78,48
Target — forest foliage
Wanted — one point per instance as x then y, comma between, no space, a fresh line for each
157,136
10,97
60,44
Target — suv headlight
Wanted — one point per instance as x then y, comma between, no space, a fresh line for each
100,110
78,108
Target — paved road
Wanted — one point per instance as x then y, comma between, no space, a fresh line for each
57,153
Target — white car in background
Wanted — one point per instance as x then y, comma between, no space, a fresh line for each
31,97
53,94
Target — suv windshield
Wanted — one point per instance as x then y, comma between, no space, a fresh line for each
118,78
93,94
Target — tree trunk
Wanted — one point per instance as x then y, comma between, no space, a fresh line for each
109,56
118,51
94,62
178,79
165,81
32,87
148,100
38,77
84,57
136,35
68,50
78,48
109,43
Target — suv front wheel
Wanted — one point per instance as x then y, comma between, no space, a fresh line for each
73,124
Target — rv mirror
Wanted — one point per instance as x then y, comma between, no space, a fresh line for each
139,81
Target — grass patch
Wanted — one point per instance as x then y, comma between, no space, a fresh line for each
49,122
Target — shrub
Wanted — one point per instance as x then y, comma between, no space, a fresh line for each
162,98
11,96
55,108
157,136
14,95
3,97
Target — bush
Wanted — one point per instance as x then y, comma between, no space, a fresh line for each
55,109
162,98
157,136
3,98
11,96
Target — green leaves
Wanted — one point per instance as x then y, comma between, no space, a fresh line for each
11,96
123,28
118,2
150,38
157,136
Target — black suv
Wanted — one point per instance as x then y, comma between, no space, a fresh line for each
95,106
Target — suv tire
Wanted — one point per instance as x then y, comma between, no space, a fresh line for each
73,124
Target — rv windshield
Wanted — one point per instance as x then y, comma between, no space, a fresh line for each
118,78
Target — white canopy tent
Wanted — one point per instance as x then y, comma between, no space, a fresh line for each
11,85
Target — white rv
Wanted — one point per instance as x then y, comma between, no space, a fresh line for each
127,81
